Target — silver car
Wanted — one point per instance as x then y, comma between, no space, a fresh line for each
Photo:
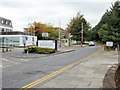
91,43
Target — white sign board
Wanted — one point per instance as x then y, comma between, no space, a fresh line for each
109,44
71,36
46,44
44,34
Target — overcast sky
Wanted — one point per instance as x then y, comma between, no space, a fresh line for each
51,11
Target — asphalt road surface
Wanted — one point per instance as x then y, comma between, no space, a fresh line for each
17,73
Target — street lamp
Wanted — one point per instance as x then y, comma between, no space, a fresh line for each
2,44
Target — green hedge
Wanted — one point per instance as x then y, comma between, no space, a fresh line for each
39,50
109,48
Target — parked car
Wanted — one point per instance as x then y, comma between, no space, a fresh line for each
91,43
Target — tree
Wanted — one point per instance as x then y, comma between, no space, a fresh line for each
39,28
75,27
108,29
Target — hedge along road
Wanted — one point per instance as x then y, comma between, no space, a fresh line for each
21,75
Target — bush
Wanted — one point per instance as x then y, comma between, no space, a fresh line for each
39,50
30,49
109,48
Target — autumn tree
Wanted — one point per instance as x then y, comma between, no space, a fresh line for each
39,28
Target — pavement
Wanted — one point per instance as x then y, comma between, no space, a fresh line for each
88,74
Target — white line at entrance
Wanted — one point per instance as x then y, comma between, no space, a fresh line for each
9,61
1,66
23,60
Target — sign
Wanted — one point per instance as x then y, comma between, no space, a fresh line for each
26,38
44,34
109,44
70,35
46,44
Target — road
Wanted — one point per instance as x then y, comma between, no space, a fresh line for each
21,72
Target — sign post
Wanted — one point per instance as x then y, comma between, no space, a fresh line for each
25,38
44,34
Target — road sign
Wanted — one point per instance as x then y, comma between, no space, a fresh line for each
110,44
46,44
26,38
44,34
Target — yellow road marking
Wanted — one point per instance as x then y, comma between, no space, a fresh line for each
47,77
56,72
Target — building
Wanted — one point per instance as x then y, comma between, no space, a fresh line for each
14,33
62,31
8,37
17,40
5,25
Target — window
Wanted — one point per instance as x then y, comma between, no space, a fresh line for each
10,30
2,21
32,38
10,24
2,29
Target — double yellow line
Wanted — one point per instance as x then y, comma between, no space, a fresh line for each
47,77
56,72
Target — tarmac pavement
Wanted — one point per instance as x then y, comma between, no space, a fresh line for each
88,74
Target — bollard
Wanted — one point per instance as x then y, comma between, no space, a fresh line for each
7,49
116,49
2,49
27,52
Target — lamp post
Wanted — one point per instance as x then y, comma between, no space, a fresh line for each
2,44
12,42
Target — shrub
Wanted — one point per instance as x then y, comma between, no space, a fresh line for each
30,49
107,48
39,50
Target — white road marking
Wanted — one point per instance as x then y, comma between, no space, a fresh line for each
7,66
9,61
23,59
1,66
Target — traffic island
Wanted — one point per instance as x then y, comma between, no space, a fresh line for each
65,51
32,54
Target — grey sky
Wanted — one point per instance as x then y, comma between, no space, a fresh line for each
51,11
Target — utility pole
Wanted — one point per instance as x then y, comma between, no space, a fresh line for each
33,27
82,34
59,34
30,26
